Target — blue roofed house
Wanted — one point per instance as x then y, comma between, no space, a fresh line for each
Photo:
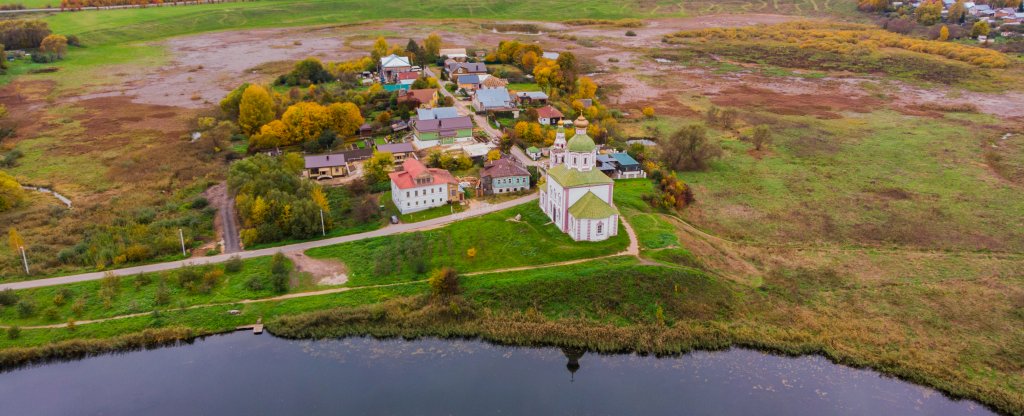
436,113
493,99
620,166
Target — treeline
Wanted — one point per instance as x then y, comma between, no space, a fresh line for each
274,203
846,38
23,34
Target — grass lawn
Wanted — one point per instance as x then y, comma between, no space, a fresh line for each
880,178
499,243
428,214
523,87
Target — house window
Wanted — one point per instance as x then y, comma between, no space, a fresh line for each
406,194
600,227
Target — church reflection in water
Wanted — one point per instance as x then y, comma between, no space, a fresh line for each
573,354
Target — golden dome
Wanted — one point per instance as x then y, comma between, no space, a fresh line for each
581,122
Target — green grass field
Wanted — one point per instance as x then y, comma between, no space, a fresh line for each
499,243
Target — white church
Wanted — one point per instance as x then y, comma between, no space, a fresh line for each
576,196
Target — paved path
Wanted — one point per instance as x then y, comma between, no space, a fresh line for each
157,267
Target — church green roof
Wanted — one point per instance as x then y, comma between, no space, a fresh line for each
570,178
581,143
591,207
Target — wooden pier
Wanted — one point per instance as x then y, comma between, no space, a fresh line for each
256,328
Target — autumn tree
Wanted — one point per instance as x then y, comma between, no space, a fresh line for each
929,12
380,49
530,60
14,240
229,105
432,45
689,149
648,112
54,45
944,33
345,118
493,155
255,109
980,28
444,282
569,66
11,193
586,88
376,169
957,12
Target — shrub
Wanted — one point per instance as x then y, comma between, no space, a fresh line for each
14,332
279,273
630,33
234,264
51,314
163,294
26,308
8,297
78,307
444,282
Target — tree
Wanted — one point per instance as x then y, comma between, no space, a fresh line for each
944,33
728,118
444,282
345,118
432,45
929,12
689,149
380,49
229,105
255,109
980,28
494,154
586,88
648,112
530,60
567,62
957,12
11,193
762,137
279,273
378,166
54,45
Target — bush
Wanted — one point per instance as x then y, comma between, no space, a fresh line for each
444,282
14,332
234,264
8,297
163,294
26,308
279,273
630,33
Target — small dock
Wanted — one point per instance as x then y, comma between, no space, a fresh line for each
256,328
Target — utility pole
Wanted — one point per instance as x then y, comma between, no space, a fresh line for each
24,259
323,229
181,237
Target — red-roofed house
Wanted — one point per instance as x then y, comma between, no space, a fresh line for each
426,97
549,116
408,77
417,187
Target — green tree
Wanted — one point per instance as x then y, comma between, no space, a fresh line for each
255,109
689,149
279,273
432,45
376,169
229,105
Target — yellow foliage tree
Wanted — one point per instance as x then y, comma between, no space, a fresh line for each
345,118
305,121
56,45
320,199
929,12
11,194
980,28
272,134
944,33
432,44
14,240
255,109
494,154
586,88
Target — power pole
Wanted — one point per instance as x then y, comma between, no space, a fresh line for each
181,237
323,229
24,259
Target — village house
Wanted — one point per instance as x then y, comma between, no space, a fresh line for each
400,151
441,131
577,197
549,116
493,99
503,176
392,65
417,188
455,54
533,152
426,97
532,98
455,69
325,166
408,78
620,166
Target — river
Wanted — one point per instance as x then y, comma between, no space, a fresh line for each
245,374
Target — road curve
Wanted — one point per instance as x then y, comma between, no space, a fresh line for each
389,230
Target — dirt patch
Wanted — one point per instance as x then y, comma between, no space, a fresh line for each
818,105
324,272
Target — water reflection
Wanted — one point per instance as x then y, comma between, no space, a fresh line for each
245,374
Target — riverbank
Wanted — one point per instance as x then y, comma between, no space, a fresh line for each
610,305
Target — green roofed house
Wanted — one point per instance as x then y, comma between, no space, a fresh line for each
533,152
577,196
